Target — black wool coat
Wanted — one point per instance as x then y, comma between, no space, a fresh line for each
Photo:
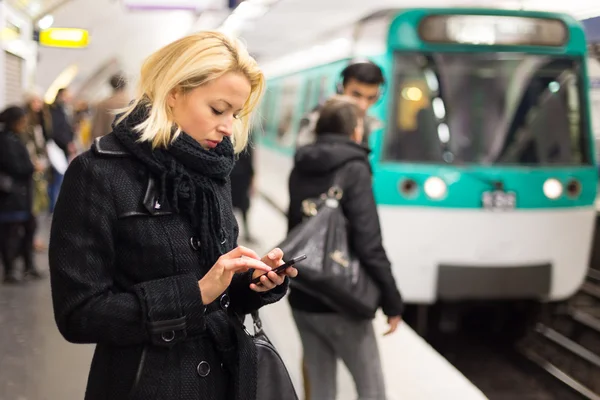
124,275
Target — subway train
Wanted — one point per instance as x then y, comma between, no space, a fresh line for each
484,162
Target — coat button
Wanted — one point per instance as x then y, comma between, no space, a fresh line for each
203,369
195,243
168,336
224,301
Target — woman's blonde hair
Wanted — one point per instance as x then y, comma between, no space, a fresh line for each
186,64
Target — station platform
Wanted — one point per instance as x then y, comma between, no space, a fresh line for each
36,363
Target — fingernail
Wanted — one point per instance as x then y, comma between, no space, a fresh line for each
272,255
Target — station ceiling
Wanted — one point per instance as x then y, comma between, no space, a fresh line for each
122,38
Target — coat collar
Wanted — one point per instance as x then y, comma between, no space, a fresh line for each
109,146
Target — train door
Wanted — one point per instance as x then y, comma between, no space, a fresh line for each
593,67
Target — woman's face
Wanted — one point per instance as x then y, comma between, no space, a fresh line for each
36,104
207,112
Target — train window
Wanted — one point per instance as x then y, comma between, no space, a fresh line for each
307,104
324,91
594,76
261,119
487,108
286,112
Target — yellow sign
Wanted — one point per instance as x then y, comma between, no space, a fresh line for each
65,37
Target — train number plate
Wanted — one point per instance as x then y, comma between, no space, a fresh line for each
498,200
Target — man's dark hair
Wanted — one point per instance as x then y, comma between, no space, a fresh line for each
118,82
364,72
338,115
59,93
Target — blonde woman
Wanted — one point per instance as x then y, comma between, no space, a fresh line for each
144,259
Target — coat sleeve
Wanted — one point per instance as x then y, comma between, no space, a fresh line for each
89,306
245,300
365,234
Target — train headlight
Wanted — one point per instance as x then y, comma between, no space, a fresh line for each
435,187
552,188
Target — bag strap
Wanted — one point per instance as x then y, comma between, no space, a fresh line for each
335,190
256,322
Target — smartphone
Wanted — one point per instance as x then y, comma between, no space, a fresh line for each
282,268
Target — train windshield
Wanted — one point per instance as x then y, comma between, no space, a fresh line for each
487,108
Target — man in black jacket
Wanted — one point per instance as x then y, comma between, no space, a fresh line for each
327,335
361,80
63,135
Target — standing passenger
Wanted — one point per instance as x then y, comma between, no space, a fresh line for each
242,178
143,253
327,335
17,223
104,113
361,80
64,136
38,131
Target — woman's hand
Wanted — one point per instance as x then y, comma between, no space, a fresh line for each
393,323
219,277
267,282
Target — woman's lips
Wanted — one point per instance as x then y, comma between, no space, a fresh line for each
212,143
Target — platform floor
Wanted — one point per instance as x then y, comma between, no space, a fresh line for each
36,363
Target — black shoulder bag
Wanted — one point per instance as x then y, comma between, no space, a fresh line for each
273,379
331,273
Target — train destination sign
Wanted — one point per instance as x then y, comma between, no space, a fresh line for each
493,30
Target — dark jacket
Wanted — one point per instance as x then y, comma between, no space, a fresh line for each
62,129
313,172
124,275
241,179
15,162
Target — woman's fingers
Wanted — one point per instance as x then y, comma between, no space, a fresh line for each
265,283
274,258
244,264
239,252
291,272
275,279
276,254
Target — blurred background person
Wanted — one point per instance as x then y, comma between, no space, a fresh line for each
82,126
104,114
361,80
17,223
63,135
39,129
242,188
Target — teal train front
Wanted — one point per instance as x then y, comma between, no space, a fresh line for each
484,165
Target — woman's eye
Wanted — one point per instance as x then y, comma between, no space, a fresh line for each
217,112
236,116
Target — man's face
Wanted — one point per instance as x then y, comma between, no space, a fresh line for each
65,97
364,94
